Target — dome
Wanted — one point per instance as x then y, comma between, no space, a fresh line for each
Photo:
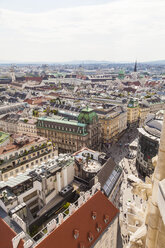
87,116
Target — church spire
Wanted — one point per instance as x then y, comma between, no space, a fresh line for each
135,67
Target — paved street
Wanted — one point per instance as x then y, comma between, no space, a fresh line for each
118,152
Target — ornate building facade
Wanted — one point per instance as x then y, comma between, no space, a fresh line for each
71,135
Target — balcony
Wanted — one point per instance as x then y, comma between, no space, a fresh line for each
26,153
10,167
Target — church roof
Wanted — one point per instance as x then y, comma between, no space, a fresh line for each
83,223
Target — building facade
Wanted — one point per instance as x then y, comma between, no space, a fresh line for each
133,112
148,143
113,122
28,127
9,123
71,135
24,153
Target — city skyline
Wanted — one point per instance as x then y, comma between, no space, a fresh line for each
71,30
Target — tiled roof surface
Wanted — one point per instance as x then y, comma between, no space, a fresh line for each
81,221
7,234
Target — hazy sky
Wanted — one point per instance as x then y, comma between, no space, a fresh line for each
66,30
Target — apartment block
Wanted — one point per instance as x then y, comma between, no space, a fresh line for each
23,153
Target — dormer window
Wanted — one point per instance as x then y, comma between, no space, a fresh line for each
106,218
81,245
98,227
76,233
94,215
90,237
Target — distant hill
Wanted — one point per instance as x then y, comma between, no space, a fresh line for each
82,62
156,62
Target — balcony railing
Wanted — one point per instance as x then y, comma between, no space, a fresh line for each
4,162
25,162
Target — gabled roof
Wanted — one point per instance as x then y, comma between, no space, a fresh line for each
81,222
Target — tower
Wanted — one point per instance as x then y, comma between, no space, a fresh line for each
135,66
12,73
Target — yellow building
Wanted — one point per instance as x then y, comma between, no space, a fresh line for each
133,112
109,125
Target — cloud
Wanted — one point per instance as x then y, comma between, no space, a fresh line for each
119,30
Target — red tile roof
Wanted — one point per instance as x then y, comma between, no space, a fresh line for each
88,222
7,234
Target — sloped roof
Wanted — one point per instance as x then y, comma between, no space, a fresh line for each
7,234
106,171
82,221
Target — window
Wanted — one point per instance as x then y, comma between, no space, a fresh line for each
27,166
36,161
22,168
41,159
28,197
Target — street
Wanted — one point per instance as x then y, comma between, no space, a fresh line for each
119,153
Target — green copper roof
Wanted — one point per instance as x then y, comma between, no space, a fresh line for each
87,116
62,121
121,72
3,137
87,110
133,103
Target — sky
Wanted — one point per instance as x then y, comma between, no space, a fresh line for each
71,30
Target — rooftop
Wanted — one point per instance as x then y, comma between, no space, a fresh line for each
19,143
8,230
62,121
92,166
3,137
84,226
87,109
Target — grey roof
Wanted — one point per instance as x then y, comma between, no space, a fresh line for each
13,181
13,225
112,180
106,170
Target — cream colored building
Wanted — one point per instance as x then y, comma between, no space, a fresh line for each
9,123
26,126
37,187
113,121
24,154
133,112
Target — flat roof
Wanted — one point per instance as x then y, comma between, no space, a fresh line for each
143,132
14,181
